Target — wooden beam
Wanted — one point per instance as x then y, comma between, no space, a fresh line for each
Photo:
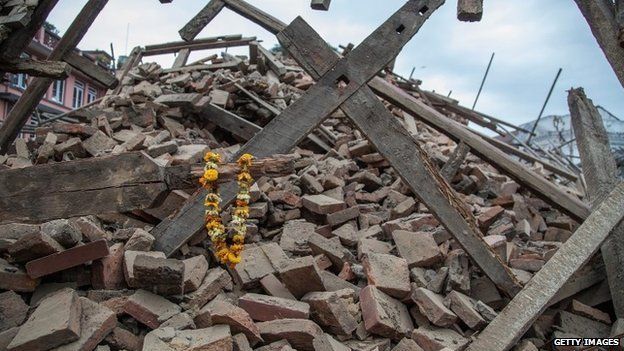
16,43
229,121
274,64
203,45
600,16
27,103
403,153
133,59
49,69
256,15
619,18
537,184
285,131
120,183
601,175
91,70
455,161
195,25
322,5
511,324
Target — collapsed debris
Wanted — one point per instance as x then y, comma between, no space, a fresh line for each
417,235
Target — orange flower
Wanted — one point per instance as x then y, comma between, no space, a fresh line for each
212,157
211,175
245,177
245,160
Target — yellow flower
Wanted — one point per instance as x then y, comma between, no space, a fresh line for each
238,239
245,160
211,175
233,258
212,157
237,248
245,177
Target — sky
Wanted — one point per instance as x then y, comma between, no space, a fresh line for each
532,39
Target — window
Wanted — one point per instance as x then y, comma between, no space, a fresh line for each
20,80
58,91
91,95
78,94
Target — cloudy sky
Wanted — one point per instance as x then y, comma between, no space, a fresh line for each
532,39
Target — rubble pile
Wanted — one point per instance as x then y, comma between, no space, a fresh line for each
339,255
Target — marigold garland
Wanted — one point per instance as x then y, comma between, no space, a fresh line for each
226,254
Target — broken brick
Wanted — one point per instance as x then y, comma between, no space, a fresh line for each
388,273
267,308
159,275
300,333
418,249
301,276
150,309
195,269
69,258
432,306
384,315
221,312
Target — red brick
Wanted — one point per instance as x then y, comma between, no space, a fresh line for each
69,258
326,343
33,246
383,315
419,249
258,261
336,253
221,312
435,339
413,223
195,269
150,309
586,311
432,306
368,246
108,272
55,322
489,216
128,265
322,204
274,287
388,273
122,339
463,307
159,275
527,264
215,281
96,323
334,310
295,236
217,338
300,333
407,345
301,276
267,308
342,216
13,310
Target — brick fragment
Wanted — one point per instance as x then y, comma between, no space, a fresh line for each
295,236
267,308
222,312
161,276
123,339
369,344
274,287
463,307
322,204
128,265
140,241
527,264
195,269
13,310
150,309
388,273
458,271
587,311
327,343
258,261
498,243
96,323
16,279
179,322
339,217
310,184
98,144
215,338
63,232
215,281
384,315
33,246
435,339
334,310
7,336
55,322
489,216
333,282
407,345
347,233
69,258
419,249
301,276
413,223
367,246
300,333
108,272
432,306
241,343
336,253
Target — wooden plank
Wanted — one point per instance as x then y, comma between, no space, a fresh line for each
455,161
120,183
49,69
91,70
256,15
601,175
229,121
180,43
285,131
538,185
16,43
27,103
216,44
195,25
76,188
232,65
405,155
601,19
511,324
322,5
274,64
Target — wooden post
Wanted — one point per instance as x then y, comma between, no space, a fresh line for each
27,103
601,19
322,5
182,58
285,131
511,324
405,155
48,69
195,25
600,173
